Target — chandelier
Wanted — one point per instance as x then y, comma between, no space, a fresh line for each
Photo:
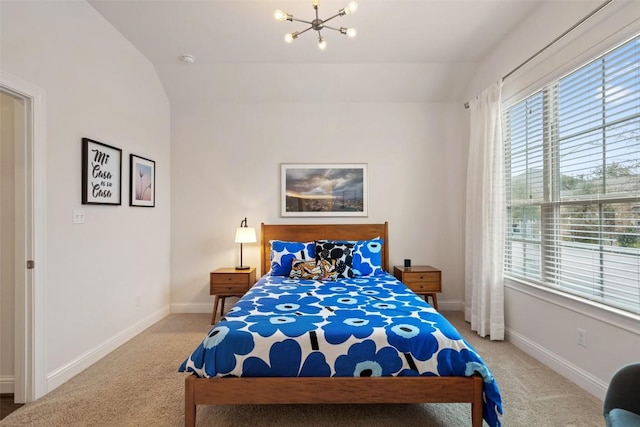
318,24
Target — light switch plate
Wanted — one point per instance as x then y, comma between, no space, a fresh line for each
78,216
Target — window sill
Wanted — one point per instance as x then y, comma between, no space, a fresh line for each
609,315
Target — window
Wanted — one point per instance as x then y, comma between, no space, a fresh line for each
573,182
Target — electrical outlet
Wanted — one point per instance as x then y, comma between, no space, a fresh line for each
582,337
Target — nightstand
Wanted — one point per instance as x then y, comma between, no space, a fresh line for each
229,282
422,279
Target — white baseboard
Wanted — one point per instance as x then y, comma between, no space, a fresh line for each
562,366
450,306
6,384
82,362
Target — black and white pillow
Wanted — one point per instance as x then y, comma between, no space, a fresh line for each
342,253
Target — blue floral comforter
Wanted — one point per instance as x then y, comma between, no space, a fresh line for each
366,326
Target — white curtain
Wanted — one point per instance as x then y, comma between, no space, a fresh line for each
484,237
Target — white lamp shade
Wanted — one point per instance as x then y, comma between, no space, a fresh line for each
245,235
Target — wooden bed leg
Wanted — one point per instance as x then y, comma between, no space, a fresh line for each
476,406
189,401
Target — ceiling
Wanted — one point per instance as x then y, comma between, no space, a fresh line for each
405,50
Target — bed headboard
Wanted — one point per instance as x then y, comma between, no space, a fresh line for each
310,232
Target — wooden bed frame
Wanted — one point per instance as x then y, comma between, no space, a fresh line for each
220,391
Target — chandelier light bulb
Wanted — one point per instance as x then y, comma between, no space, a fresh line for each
315,2
288,38
351,7
351,32
280,15
322,43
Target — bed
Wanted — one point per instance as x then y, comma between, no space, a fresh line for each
327,361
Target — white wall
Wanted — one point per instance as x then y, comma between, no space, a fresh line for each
540,322
226,165
98,86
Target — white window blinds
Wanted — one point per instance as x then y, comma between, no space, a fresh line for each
573,182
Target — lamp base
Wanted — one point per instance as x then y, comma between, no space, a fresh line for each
242,267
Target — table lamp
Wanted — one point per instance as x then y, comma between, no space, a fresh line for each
244,234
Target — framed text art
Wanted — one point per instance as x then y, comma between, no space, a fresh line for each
142,182
101,173
323,189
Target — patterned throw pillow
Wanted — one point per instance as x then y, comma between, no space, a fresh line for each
340,252
303,269
312,270
283,253
367,256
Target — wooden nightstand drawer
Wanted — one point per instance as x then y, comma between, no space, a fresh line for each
228,281
410,277
228,288
229,278
422,287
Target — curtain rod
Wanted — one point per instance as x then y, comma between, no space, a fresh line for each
554,41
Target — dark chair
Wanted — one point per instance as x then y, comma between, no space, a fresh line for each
622,401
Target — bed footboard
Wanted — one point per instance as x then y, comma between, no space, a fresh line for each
220,391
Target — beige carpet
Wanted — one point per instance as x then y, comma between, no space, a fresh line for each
138,385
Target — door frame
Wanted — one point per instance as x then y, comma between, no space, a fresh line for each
30,345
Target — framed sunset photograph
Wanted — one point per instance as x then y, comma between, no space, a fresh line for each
324,189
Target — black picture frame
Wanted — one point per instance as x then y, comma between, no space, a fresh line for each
142,182
101,173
